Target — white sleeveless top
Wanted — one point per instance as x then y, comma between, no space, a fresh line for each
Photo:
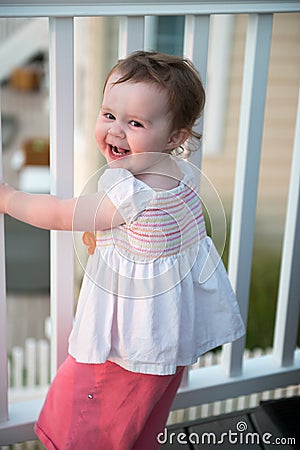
155,294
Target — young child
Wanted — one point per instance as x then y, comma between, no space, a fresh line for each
145,310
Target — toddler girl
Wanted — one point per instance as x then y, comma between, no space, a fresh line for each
155,294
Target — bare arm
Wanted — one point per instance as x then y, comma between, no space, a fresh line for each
89,212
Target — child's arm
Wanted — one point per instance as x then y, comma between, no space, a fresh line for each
89,212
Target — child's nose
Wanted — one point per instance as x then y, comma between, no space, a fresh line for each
117,131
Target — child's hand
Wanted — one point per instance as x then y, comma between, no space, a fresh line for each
5,192
89,239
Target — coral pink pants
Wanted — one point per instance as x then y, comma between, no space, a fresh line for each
105,407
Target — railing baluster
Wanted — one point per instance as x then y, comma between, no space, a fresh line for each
256,65
195,47
287,315
61,157
131,34
151,32
196,35
3,315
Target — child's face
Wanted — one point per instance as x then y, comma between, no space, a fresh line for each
134,119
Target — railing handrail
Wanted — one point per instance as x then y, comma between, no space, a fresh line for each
56,8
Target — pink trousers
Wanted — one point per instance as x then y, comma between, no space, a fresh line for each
105,407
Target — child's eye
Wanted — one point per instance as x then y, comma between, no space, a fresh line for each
109,116
134,123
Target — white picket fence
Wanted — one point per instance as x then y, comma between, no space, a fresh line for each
29,368
29,377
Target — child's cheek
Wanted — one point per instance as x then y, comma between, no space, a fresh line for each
98,135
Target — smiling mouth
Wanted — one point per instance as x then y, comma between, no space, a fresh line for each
118,151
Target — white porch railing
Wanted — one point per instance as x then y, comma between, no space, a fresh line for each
234,376
33,360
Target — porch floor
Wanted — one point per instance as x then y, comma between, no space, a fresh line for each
274,422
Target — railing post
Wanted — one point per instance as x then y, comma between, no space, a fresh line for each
196,37
131,35
3,314
256,66
195,47
61,160
287,315
151,32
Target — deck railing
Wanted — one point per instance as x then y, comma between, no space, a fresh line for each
234,376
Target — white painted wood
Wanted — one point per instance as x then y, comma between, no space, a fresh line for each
151,30
219,50
17,366
211,384
61,161
131,35
3,326
58,8
256,65
30,362
196,39
210,372
43,362
287,315
20,426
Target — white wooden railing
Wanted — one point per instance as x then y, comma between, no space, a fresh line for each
234,376
33,361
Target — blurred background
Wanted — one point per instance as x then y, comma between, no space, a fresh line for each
25,135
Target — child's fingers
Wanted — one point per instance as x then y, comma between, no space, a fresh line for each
5,192
89,240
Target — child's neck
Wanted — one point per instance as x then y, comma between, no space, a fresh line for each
164,176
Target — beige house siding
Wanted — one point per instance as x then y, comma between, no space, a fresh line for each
280,115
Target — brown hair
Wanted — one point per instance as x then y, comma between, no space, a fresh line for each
177,75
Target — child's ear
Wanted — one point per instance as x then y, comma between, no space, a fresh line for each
177,138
